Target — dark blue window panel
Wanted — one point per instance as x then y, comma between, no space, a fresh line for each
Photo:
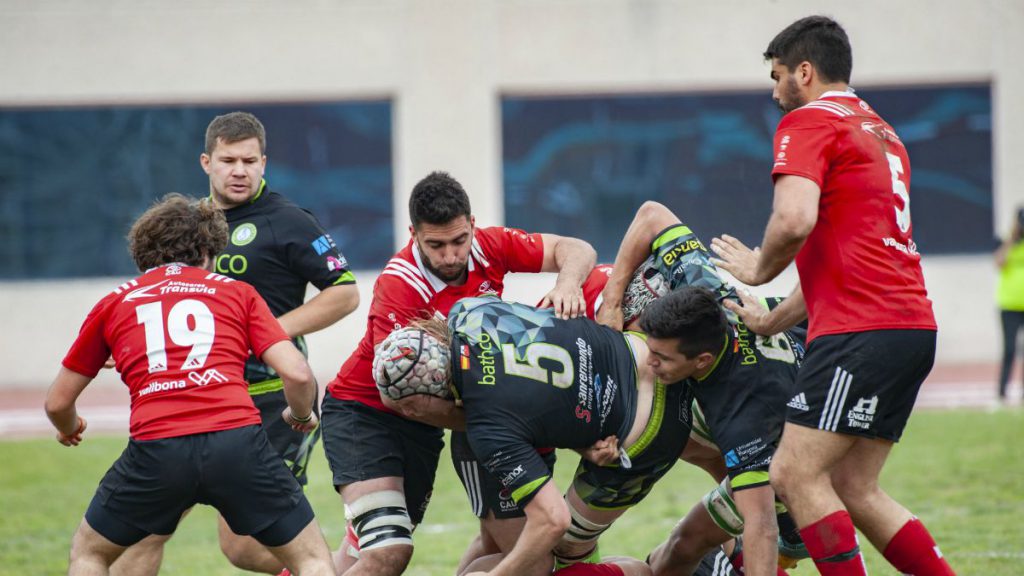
73,179
581,166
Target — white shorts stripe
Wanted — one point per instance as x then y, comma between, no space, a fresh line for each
471,475
828,399
842,401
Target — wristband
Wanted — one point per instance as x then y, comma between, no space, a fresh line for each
302,420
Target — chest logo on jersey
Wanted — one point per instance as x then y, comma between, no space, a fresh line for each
742,345
244,234
486,359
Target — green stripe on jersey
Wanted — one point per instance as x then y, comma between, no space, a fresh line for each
670,235
750,479
265,387
527,489
346,278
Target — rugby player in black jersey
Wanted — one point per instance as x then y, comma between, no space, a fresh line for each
742,383
528,379
278,248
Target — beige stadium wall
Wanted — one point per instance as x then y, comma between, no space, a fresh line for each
445,64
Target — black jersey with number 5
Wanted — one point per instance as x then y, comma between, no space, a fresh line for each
528,379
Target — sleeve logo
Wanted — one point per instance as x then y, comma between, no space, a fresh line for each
323,244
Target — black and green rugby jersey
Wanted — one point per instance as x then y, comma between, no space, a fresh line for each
279,248
744,398
529,380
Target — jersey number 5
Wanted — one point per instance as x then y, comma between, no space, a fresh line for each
900,190
199,337
529,366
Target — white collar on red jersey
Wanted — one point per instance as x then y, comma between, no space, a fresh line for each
848,93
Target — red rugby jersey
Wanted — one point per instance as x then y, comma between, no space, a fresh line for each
406,290
180,336
859,269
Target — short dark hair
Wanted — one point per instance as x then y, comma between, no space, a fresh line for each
437,199
235,127
691,314
819,40
177,229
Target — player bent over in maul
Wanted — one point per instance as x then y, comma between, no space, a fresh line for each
180,336
527,379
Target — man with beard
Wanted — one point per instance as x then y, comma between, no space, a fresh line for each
842,209
383,462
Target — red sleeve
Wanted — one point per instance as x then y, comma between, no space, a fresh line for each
91,350
519,251
264,329
803,146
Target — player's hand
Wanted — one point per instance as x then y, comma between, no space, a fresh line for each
603,452
75,438
567,302
736,258
610,315
300,425
109,363
752,312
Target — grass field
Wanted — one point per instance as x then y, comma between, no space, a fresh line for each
962,472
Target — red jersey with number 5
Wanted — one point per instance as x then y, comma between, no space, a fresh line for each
859,268
180,336
406,290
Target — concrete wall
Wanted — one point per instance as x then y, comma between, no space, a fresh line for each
445,63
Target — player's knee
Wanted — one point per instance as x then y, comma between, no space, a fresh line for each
579,541
855,489
381,524
236,549
389,561
88,548
782,475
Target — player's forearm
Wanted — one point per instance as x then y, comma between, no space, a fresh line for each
574,259
64,419
321,311
760,530
430,410
60,400
651,219
782,240
789,313
296,376
532,551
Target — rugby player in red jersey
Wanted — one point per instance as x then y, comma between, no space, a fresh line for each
842,210
179,335
383,463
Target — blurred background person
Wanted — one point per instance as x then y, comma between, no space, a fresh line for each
1010,296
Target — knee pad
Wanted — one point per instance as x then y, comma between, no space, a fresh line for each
582,536
380,519
722,509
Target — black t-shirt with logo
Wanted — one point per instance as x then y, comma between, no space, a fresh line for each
528,379
279,248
